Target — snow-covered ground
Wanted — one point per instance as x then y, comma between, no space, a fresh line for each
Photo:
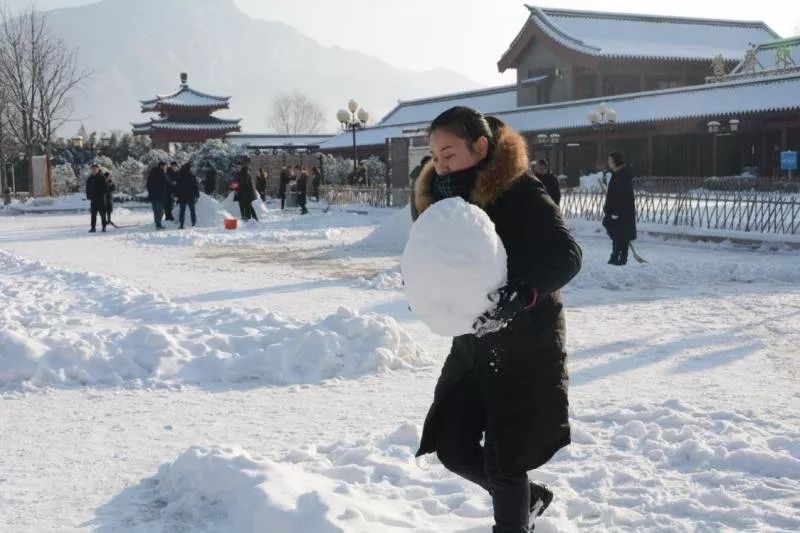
273,379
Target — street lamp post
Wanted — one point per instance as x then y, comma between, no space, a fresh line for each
548,142
716,129
352,119
603,118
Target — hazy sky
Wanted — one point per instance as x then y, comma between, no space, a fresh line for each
467,36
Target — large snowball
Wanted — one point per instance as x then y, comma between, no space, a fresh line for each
452,261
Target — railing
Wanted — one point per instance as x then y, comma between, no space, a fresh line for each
767,207
371,196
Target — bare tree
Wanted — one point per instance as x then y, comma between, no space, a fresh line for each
296,113
38,73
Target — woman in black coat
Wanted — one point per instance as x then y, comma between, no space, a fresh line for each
620,209
246,193
111,188
510,385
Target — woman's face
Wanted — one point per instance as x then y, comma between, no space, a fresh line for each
451,153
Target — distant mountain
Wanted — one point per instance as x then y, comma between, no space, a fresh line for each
138,48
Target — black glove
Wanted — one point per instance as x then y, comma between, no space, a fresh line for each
509,301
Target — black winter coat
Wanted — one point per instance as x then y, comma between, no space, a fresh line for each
553,188
261,184
157,185
283,182
111,188
96,191
521,369
187,190
172,181
620,206
246,193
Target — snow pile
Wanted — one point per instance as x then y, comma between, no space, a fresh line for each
59,327
453,260
391,235
389,280
368,486
666,466
592,181
70,202
210,213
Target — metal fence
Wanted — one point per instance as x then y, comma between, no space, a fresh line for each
371,196
767,207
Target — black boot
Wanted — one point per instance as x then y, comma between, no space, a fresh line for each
92,230
541,497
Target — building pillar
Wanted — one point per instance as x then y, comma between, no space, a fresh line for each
784,138
641,82
714,142
764,159
649,163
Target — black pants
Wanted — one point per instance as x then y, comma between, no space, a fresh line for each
301,202
619,252
283,200
461,423
99,209
245,209
169,205
192,213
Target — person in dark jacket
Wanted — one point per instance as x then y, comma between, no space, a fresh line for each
261,184
187,191
620,209
283,183
169,203
96,191
210,181
246,192
157,191
316,182
111,188
508,387
302,190
543,174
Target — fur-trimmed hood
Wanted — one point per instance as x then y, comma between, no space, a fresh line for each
509,164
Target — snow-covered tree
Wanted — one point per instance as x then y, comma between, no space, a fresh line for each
153,157
130,176
376,170
216,156
64,180
336,169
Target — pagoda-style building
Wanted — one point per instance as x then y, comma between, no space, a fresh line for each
185,116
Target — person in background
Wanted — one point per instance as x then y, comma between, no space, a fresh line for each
157,191
169,202
111,188
261,184
302,191
210,181
96,189
316,181
620,209
542,172
413,178
187,191
283,184
246,192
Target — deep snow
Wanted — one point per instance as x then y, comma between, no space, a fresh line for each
684,384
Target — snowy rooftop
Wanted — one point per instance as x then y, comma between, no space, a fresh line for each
268,140
185,96
623,35
214,124
734,97
488,100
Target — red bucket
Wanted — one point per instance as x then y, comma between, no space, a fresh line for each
231,223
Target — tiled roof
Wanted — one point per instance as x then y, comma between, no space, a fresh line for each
737,97
487,100
623,35
214,124
186,97
268,140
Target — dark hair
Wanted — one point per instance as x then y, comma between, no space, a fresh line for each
425,160
544,163
95,165
617,158
160,163
468,124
